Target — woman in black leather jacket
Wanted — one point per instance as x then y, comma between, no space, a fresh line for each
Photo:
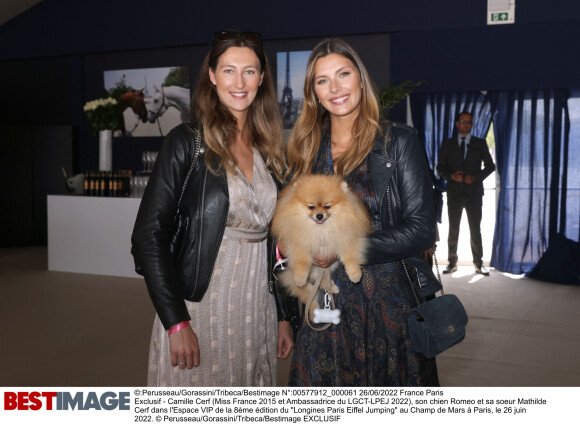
226,333
338,131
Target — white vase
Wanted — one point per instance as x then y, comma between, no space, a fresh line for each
106,150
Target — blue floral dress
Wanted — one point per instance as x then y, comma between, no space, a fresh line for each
371,345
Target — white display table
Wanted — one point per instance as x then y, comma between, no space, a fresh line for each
91,234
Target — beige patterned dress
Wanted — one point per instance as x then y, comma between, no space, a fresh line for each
235,323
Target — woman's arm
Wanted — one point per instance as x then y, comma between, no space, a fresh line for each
413,208
184,348
150,238
285,339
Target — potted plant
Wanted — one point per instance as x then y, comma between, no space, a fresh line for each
390,96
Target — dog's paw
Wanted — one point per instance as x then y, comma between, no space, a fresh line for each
300,281
354,274
334,288
314,270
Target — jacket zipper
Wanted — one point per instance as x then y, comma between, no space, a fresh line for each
270,268
200,234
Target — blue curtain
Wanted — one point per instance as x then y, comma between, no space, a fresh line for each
537,197
539,169
434,116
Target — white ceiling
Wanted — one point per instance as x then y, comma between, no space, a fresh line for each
11,8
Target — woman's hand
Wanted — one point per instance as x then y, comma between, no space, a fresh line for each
323,262
184,348
317,260
285,339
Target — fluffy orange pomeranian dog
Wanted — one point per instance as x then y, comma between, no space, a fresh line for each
318,215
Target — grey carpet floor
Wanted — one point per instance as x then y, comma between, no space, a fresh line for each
66,329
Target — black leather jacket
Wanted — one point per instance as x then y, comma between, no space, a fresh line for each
206,202
402,164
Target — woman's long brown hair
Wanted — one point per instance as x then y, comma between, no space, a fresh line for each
304,141
220,126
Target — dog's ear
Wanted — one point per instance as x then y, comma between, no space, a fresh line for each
344,186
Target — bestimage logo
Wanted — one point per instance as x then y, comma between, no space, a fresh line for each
62,401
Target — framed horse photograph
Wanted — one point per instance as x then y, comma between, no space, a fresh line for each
152,101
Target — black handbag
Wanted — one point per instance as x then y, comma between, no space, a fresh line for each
180,222
437,323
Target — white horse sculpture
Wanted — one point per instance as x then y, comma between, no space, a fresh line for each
166,97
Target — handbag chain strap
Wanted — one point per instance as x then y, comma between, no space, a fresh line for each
411,283
437,267
196,151
387,140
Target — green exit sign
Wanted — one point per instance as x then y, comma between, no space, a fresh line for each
497,17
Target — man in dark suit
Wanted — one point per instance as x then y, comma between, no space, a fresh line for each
460,160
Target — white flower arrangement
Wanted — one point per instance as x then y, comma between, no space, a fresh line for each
103,113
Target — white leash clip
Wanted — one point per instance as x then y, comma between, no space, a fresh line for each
280,264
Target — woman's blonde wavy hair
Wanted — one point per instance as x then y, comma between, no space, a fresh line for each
220,126
304,141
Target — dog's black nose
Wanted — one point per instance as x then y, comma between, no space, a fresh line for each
319,216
